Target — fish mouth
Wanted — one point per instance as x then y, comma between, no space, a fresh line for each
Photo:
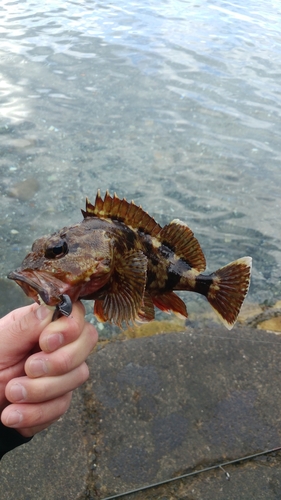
33,283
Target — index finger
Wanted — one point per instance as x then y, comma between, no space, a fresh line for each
64,330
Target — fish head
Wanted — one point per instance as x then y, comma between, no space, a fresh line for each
74,261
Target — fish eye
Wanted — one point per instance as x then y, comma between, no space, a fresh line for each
56,251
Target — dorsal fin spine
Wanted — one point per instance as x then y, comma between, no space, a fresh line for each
129,213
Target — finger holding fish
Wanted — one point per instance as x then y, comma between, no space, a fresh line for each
64,359
64,330
37,390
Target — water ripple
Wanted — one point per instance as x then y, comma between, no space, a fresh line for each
176,104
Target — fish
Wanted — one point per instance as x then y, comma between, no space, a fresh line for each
121,258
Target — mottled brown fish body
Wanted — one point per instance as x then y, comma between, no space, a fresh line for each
120,257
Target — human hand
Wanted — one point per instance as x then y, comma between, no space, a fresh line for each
41,363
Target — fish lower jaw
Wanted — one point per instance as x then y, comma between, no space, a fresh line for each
40,300
42,303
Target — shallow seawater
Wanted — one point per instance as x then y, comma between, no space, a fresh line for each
174,104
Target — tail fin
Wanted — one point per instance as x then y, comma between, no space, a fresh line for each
229,288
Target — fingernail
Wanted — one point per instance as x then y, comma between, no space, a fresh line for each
42,312
14,417
54,341
17,392
37,367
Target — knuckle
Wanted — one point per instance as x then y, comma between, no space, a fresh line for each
65,362
61,405
37,415
66,402
84,372
70,327
20,326
92,334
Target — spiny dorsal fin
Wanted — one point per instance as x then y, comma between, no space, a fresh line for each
123,211
178,235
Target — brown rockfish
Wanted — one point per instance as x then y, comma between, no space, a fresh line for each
121,258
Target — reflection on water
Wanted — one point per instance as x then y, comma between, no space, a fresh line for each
174,104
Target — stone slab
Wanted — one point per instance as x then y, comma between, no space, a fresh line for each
158,407
179,402
53,466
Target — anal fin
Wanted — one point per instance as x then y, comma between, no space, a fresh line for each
168,302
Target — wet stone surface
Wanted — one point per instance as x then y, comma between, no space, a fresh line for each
159,407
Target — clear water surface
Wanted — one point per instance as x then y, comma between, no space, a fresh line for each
175,104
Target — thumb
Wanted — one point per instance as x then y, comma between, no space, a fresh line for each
19,333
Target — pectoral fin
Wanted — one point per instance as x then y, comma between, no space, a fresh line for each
98,311
124,297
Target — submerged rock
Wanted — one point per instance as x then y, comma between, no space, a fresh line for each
24,190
